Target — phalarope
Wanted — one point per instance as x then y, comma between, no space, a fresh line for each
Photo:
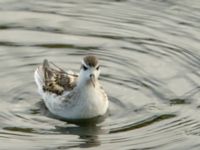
69,95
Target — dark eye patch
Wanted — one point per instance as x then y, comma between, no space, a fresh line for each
97,68
84,68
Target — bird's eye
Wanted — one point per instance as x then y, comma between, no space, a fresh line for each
84,68
97,68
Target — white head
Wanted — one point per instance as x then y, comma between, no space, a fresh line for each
90,71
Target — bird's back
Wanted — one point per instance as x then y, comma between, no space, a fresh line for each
54,79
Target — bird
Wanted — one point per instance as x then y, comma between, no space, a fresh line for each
71,95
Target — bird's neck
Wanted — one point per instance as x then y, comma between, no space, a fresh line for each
86,84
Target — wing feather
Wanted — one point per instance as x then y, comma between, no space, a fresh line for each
56,80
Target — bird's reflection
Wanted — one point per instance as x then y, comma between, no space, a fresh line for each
88,134
88,130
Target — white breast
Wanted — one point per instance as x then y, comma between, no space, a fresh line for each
87,104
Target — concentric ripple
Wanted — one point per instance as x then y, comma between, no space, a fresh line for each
149,51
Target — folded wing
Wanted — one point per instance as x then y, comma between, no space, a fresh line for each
51,78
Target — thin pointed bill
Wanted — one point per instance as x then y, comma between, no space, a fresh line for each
92,78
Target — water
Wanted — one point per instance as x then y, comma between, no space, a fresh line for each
149,51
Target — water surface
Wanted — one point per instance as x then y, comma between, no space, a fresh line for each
149,51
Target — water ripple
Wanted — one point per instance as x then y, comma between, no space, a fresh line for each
149,51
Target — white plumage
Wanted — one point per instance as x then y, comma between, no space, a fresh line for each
69,95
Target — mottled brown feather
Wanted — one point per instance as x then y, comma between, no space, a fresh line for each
91,60
57,80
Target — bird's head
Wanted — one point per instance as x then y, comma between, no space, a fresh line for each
90,70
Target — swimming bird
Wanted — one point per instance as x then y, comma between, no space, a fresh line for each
71,95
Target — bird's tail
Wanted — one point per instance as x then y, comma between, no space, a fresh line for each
40,75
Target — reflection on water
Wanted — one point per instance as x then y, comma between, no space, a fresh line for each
149,51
